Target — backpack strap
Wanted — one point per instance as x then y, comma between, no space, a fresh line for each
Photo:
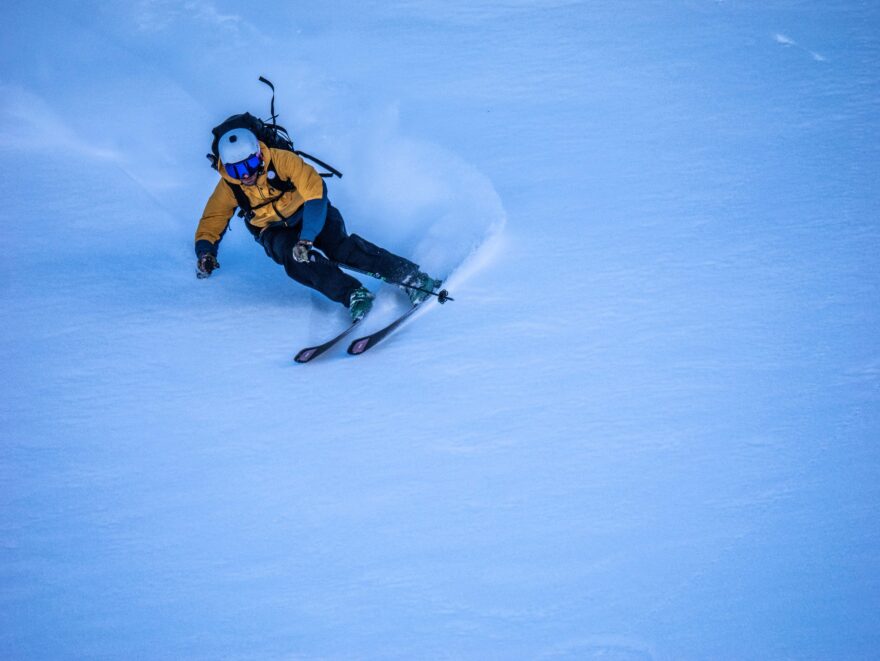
276,182
244,204
332,170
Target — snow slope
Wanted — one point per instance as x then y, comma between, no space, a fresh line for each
646,428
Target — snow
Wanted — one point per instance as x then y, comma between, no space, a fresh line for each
645,429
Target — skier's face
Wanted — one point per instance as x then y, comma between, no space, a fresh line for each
245,171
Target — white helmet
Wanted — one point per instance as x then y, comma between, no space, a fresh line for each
236,145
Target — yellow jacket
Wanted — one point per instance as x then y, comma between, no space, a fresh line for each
269,204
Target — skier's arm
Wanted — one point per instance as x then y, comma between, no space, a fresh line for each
215,219
314,216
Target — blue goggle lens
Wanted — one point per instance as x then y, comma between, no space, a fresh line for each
245,168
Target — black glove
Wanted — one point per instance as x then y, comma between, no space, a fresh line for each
301,250
207,264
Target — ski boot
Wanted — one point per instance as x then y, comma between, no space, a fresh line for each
359,303
421,281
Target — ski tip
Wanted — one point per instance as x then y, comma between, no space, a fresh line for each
305,355
359,346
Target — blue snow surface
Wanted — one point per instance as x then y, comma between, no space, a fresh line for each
647,428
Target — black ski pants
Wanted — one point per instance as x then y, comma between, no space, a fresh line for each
321,274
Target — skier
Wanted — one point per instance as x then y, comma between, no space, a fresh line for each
289,213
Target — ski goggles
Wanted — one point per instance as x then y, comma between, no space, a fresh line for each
246,168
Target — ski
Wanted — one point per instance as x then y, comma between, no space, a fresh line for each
310,353
368,341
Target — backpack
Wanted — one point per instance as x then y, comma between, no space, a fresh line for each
272,135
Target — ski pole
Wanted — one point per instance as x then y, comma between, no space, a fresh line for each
442,295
